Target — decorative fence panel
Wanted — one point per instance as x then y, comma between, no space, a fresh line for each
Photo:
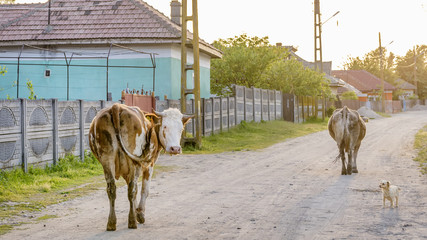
38,132
249,104
257,104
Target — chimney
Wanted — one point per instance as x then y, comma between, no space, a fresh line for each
176,12
279,44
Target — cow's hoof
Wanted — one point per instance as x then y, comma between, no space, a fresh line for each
132,225
140,217
355,170
111,228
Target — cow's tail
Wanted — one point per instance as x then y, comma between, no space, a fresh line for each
115,117
346,120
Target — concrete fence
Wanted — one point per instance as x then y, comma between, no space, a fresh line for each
222,113
38,132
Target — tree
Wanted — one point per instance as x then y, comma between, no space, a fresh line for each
371,62
252,62
244,61
7,1
349,95
292,77
413,65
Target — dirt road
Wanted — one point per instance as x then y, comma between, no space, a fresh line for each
292,190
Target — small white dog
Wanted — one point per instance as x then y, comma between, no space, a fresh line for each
390,192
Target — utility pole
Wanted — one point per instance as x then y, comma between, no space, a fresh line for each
197,139
318,62
382,74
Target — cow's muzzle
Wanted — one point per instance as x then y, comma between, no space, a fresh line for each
175,150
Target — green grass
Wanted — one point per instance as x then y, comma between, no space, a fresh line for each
420,145
70,178
383,114
253,136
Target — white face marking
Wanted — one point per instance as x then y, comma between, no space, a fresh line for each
171,129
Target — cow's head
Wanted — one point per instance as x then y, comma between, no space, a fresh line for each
171,125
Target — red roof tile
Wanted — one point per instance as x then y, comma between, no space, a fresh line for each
87,19
362,80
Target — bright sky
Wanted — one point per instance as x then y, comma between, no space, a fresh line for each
291,22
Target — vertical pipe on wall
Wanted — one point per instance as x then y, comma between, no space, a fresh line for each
55,130
17,74
108,60
24,160
81,130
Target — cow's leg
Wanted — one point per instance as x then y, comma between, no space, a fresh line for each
342,154
132,191
356,150
145,188
111,192
349,163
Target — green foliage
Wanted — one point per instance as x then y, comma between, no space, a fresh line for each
349,95
252,136
371,62
243,62
252,62
30,88
3,70
330,110
7,1
420,145
413,64
397,93
291,76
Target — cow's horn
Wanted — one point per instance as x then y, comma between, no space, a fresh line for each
158,113
188,116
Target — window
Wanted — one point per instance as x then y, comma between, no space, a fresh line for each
47,73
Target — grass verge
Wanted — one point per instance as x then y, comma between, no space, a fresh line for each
252,136
24,193
420,145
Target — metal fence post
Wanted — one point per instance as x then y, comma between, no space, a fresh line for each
24,160
81,130
244,103
55,130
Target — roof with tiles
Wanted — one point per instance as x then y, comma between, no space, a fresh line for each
78,20
402,84
362,80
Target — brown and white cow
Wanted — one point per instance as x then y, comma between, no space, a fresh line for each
348,129
127,144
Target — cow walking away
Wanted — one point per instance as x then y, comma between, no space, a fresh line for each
127,144
348,129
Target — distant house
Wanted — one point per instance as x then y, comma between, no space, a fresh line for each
334,83
407,88
92,49
366,83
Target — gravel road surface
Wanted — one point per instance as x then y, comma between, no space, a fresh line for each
291,190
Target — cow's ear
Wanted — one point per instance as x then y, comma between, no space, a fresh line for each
152,117
186,119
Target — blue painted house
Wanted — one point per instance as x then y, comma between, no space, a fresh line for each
94,49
